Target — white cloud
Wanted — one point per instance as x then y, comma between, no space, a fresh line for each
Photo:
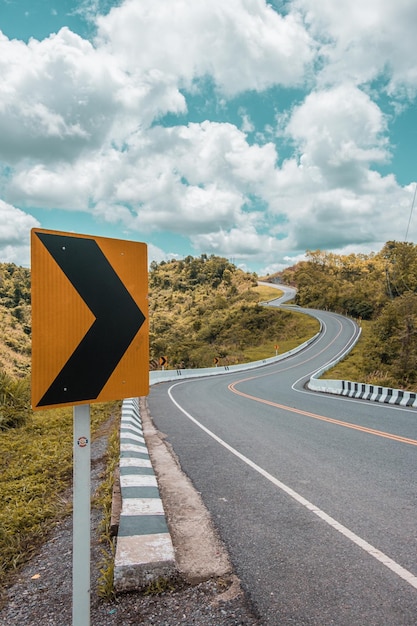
330,193
50,94
287,261
339,131
241,242
80,124
241,44
61,187
61,96
335,218
187,179
247,124
364,40
15,228
158,255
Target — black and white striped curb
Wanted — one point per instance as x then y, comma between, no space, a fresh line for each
360,391
378,394
144,549
363,391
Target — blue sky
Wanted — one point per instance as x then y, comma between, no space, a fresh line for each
249,129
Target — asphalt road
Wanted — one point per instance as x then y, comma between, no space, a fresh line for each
314,495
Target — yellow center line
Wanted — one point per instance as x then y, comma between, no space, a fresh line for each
364,429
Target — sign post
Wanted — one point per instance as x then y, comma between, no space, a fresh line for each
89,344
81,516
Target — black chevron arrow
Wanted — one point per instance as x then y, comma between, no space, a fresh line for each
118,319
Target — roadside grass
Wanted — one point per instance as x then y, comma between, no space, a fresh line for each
36,474
304,328
352,368
104,499
267,293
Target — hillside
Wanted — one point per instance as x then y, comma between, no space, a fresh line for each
200,309
380,291
205,308
14,320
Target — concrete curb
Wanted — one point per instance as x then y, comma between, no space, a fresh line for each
144,550
363,391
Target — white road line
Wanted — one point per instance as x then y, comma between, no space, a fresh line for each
361,543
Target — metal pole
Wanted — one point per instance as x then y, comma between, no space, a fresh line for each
81,517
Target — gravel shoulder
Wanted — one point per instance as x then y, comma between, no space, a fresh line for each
207,592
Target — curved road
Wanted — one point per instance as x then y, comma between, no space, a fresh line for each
314,495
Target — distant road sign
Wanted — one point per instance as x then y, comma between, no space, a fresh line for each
89,319
163,360
215,360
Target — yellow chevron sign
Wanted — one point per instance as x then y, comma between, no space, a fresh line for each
89,319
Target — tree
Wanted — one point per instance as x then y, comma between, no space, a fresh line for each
401,266
393,341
